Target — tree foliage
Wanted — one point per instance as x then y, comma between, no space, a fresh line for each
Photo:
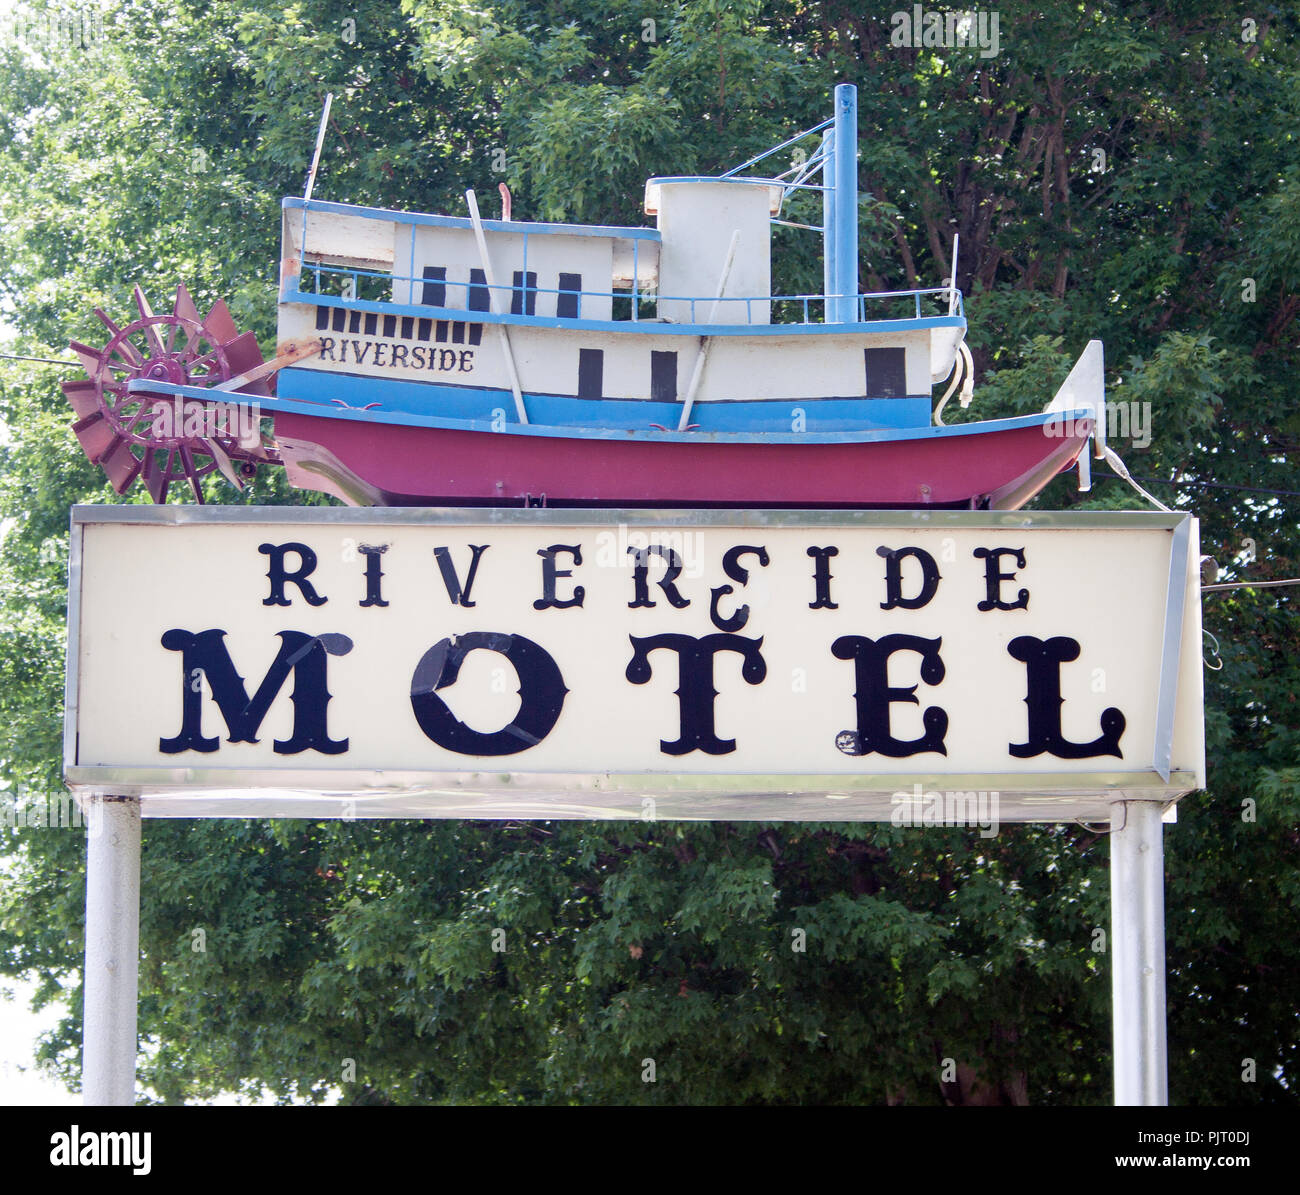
1121,171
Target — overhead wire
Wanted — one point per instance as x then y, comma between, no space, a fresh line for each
41,360
1218,485
1252,584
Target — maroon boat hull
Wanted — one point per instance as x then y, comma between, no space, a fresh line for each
386,464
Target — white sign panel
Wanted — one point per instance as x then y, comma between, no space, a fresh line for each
755,665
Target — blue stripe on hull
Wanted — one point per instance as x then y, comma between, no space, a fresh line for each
559,410
1076,421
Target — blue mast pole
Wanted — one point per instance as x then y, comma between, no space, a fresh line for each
828,223
843,242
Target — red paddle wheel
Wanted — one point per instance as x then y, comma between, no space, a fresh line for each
157,437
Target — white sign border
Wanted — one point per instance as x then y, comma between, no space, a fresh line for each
296,792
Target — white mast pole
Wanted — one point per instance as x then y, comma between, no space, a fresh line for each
490,279
1137,919
112,952
702,356
320,141
952,282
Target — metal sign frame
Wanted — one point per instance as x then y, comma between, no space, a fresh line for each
289,791
1135,803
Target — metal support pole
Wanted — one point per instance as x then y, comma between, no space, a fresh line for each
828,223
845,239
1137,916
112,952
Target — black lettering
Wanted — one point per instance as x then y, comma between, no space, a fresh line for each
548,600
277,574
374,574
359,350
1042,660
327,348
732,567
822,579
380,349
417,356
446,359
874,695
466,360
541,694
894,577
641,571
458,596
994,576
695,691
402,350
303,655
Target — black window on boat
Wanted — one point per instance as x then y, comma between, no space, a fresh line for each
478,292
663,377
435,286
524,299
591,373
886,373
569,300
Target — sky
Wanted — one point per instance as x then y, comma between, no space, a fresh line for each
21,1084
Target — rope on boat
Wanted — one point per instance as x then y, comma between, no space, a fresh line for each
963,371
1112,458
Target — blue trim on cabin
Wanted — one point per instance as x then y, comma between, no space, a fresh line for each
397,396
294,203
780,184
710,178
718,178
272,405
643,326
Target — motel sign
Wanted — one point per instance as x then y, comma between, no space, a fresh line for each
571,663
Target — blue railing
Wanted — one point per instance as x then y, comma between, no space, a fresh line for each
806,309
779,309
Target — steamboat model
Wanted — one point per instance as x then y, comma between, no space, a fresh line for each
444,359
